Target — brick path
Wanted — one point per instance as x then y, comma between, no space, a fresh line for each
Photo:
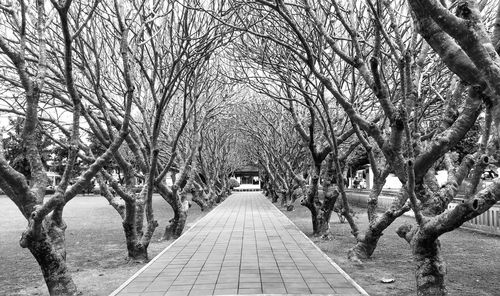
243,246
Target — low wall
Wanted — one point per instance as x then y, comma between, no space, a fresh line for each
246,189
487,222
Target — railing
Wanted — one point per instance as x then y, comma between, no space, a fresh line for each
487,222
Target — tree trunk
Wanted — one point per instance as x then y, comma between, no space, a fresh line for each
323,225
135,249
211,196
274,195
430,266
314,218
132,228
199,199
225,191
49,250
267,188
178,222
325,212
289,200
54,269
311,200
365,246
139,217
220,196
283,195
367,242
378,185
137,253
171,229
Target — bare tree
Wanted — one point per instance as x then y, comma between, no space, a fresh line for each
390,63
44,236
279,74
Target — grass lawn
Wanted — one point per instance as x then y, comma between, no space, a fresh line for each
473,259
96,251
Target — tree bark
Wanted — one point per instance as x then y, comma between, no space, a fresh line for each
211,196
178,222
313,209
424,238
325,212
199,199
49,250
283,194
430,266
311,201
136,251
372,203
132,228
367,242
274,196
290,200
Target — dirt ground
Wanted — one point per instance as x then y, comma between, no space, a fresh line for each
473,259
95,242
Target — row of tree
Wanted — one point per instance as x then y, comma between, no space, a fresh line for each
131,86
153,84
414,84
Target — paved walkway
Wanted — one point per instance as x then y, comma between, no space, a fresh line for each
243,246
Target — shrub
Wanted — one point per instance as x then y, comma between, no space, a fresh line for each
96,190
233,183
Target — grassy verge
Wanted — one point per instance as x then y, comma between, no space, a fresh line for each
472,259
96,251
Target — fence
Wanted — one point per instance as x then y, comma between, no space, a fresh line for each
487,222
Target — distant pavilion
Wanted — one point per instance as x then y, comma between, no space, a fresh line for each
248,177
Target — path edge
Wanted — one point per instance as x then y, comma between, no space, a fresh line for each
137,273
339,269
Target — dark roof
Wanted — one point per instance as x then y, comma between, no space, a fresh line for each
248,168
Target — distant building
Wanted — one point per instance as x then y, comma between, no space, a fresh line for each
248,177
54,179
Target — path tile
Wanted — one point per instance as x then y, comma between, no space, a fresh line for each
225,286
243,246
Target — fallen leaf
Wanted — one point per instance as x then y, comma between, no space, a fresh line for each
387,280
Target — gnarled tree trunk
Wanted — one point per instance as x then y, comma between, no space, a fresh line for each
274,195
430,266
290,200
131,210
199,199
367,242
136,251
283,194
325,212
312,202
180,207
49,250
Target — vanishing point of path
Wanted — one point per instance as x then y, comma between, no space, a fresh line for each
245,246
